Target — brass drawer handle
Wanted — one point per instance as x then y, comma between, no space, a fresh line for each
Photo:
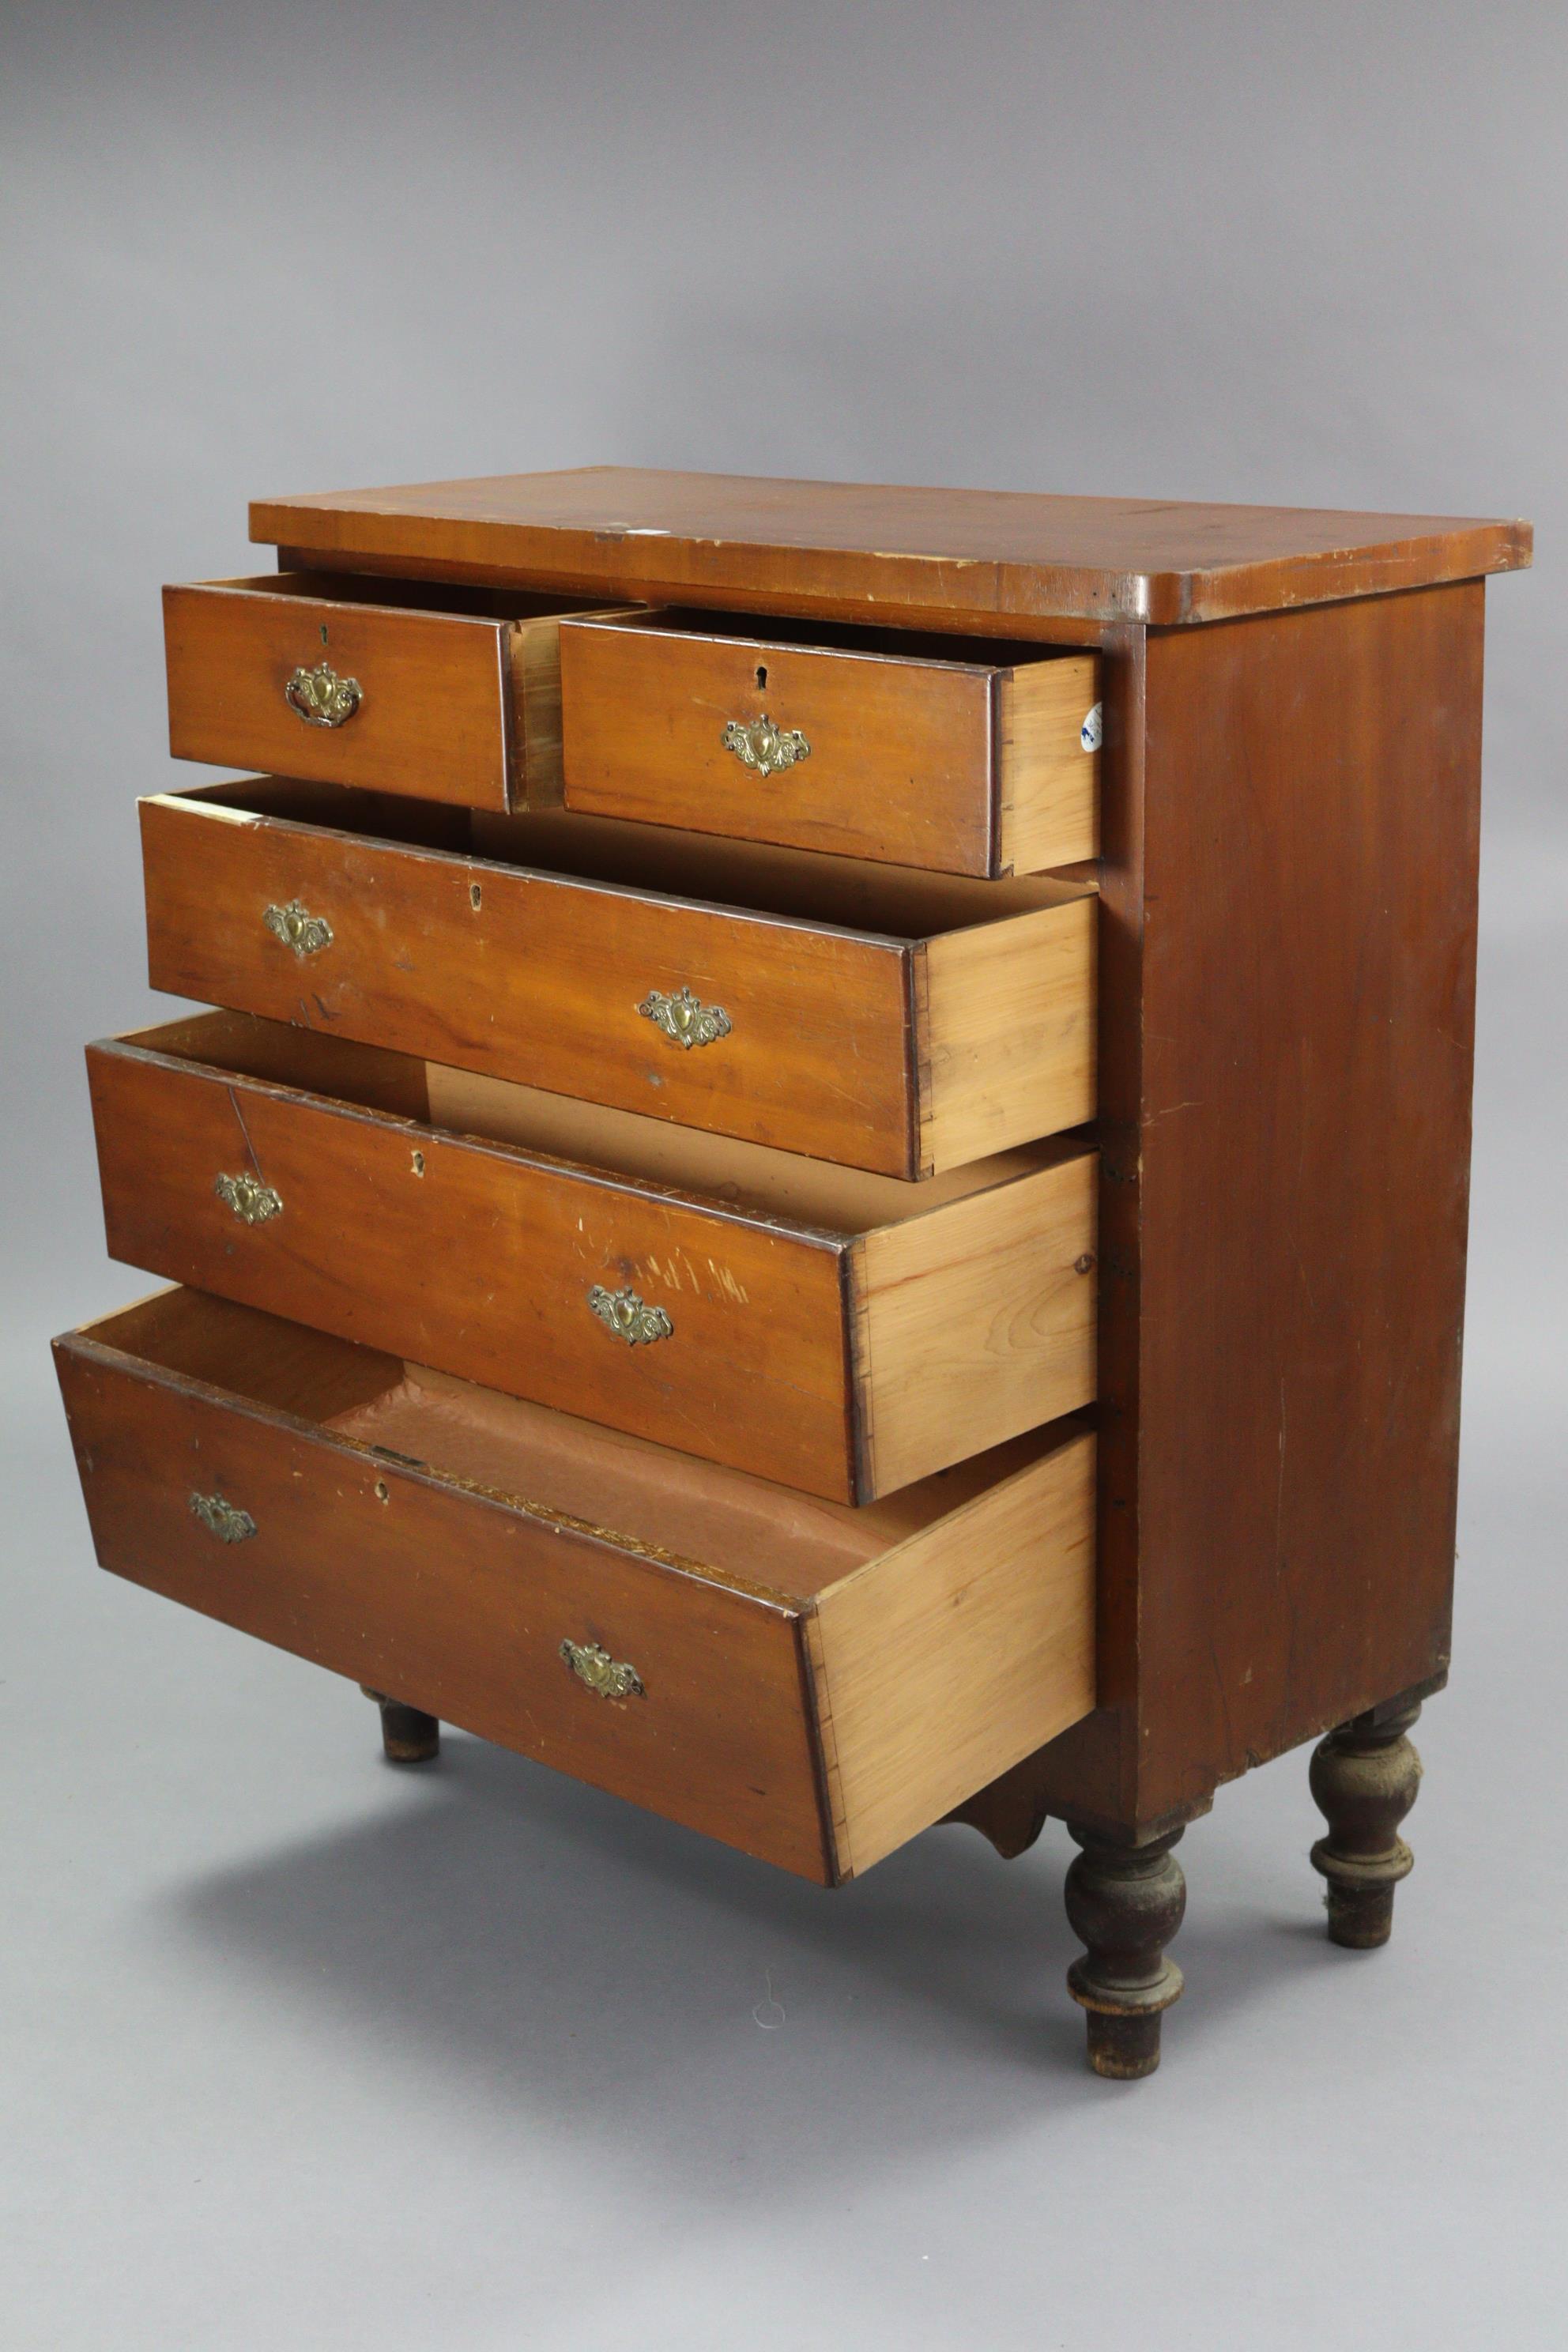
606,1676
758,743
223,1519
320,698
628,1317
252,1201
307,934
685,1018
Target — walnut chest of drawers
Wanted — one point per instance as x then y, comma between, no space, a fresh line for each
829,1185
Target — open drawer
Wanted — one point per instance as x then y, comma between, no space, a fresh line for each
940,752
449,693
842,1332
883,1018
810,1682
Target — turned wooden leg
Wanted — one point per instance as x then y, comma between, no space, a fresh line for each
1364,1776
1125,1901
408,1735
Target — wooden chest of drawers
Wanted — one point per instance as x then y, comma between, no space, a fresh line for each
830,1187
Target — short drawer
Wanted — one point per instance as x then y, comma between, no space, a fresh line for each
810,1682
451,694
930,752
842,1332
889,1020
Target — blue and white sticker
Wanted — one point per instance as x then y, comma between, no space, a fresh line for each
1089,734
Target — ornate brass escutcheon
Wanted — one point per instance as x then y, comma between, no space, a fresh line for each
606,1676
685,1018
222,1519
758,743
628,1317
307,934
252,1201
320,698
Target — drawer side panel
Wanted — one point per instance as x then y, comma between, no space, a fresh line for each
1010,1025
977,1322
1049,781
947,1660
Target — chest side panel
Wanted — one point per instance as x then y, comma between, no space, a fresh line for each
1308,1019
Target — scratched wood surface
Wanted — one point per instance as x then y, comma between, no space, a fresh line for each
906,756
536,970
457,1244
479,1259
981,562
1289,911
451,1565
389,1574
459,691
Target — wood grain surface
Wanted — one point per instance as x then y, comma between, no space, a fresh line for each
908,759
1007,1018
985,562
462,1250
536,974
1288,926
457,1600
460,697
421,1535
437,717
976,1320
1047,763
538,977
943,1663
480,1259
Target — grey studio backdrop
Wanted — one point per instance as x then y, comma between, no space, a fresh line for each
301,2050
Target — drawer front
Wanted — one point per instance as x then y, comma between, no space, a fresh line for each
531,976
457,1601
720,1334
968,767
403,701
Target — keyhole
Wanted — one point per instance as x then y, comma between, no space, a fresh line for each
323,632
762,676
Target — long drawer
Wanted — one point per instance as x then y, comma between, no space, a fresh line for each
807,1682
934,751
451,694
845,1333
886,1019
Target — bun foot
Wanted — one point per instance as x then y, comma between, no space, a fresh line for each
408,1735
1364,1776
1125,1903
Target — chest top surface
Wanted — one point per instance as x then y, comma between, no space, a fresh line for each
965,559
